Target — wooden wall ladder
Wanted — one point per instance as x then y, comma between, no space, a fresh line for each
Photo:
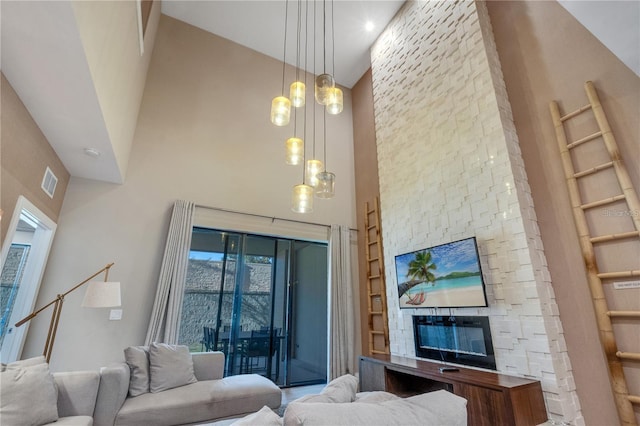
376,289
624,401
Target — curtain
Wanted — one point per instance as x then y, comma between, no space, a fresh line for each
342,337
165,316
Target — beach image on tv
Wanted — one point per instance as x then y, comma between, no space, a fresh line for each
448,275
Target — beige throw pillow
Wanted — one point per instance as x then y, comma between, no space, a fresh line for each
137,357
28,395
264,417
340,389
170,366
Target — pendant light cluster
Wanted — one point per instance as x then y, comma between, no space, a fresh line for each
316,180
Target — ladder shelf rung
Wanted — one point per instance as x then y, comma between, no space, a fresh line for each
372,259
623,274
371,243
374,295
612,237
630,356
634,399
375,313
574,113
602,202
593,170
374,351
370,227
585,139
376,332
373,277
624,314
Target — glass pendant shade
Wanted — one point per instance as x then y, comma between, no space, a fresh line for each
297,93
294,150
302,199
324,82
326,185
280,111
313,168
334,101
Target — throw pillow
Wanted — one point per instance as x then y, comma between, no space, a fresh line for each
340,389
28,395
170,366
137,357
264,417
374,397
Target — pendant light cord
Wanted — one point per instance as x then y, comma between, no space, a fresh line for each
284,49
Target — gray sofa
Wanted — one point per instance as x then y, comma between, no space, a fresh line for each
211,398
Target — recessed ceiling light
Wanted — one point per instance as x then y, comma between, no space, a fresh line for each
92,152
369,26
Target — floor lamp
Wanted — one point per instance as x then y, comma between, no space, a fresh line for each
100,294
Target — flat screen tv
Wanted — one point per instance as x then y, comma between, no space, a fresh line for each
444,276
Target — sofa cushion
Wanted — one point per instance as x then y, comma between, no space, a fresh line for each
264,417
374,397
201,401
430,409
170,366
340,389
137,357
77,392
74,421
28,394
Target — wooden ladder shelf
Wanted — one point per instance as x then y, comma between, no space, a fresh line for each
624,401
376,289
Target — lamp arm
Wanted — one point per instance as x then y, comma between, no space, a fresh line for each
61,296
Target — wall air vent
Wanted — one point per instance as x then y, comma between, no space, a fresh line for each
49,182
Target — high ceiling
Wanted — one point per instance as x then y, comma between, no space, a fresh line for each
42,55
260,25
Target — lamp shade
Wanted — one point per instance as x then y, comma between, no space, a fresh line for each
334,101
280,111
297,93
326,185
294,151
313,168
302,199
323,83
101,294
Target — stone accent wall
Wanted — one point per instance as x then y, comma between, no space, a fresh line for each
450,167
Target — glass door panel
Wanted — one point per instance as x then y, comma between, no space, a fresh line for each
308,323
242,297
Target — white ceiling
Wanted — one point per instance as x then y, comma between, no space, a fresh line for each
42,56
260,25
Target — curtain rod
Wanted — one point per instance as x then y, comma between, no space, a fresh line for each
273,218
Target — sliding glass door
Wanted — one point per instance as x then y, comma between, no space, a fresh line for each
262,301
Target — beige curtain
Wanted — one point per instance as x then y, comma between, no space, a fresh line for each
167,307
342,319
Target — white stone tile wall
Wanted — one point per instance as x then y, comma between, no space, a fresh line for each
450,167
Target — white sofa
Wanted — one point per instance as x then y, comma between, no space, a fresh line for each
30,394
210,398
338,404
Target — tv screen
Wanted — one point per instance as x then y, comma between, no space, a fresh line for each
444,276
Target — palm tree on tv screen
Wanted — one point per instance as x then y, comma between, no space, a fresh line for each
419,271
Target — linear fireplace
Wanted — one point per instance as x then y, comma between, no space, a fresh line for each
459,339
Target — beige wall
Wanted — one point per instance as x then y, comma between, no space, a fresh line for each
109,33
367,189
204,135
547,55
26,154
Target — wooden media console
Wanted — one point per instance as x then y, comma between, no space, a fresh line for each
492,399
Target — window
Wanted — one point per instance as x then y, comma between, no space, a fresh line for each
262,301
